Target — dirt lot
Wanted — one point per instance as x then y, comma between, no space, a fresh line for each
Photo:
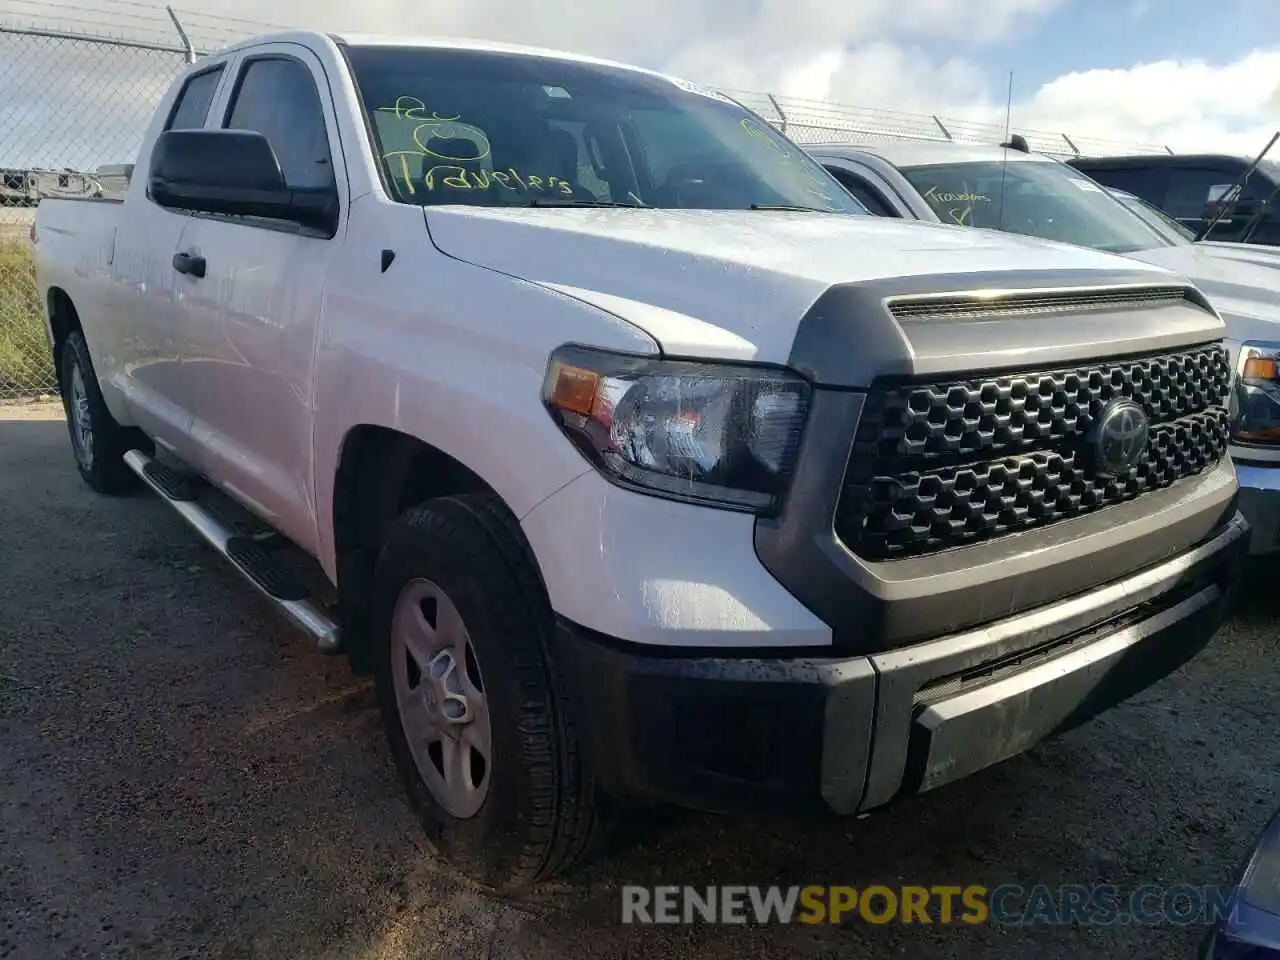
180,776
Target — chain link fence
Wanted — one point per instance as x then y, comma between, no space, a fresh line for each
74,104
71,106
24,358
813,121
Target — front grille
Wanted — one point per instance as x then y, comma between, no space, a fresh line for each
941,464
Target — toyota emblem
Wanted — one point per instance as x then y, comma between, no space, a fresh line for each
1118,441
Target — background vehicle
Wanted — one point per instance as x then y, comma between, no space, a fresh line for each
1190,187
1155,218
572,402
1178,235
1018,192
1251,928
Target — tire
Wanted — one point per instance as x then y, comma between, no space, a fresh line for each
530,810
100,450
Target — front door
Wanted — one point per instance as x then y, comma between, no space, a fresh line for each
250,322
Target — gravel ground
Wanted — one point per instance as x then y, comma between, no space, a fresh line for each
181,776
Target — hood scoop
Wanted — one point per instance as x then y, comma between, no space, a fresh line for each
995,304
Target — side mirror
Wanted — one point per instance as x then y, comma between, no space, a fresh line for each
233,172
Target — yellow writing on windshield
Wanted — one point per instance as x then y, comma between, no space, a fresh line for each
959,215
441,144
934,195
818,188
450,176
451,130
459,178
757,131
813,184
411,108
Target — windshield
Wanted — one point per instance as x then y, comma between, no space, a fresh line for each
1175,233
500,129
1047,200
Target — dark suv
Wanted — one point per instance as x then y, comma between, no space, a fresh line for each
1191,189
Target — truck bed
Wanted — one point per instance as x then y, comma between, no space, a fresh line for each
77,244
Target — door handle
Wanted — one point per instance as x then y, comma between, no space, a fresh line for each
189,264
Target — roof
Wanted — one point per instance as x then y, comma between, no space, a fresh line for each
908,154
1145,159
438,43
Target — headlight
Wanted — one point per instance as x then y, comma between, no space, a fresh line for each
1255,396
715,433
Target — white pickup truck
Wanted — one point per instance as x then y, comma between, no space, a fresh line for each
599,424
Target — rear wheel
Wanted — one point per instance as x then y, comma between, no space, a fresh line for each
98,441
473,706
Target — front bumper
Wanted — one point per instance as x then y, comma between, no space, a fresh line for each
855,733
1260,503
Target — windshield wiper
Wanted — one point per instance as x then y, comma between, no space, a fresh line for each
552,202
788,206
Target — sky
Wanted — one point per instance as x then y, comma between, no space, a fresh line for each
1192,75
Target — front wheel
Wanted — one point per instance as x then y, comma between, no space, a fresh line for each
473,707
98,441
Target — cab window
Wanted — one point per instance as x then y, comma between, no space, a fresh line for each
1193,189
867,195
191,109
277,97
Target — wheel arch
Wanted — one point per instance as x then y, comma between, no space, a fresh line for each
63,319
380,473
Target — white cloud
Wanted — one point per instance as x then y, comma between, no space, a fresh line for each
886,74
869,53
861,49
732,33
1189,105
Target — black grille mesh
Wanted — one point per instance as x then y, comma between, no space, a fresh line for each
941,464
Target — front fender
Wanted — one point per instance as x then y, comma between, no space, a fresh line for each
459,364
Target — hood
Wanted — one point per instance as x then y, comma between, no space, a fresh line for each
1241,280
735,284
1261,254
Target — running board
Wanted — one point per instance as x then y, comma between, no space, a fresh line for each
247,556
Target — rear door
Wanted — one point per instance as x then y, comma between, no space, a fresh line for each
144,309
1197,190
250,323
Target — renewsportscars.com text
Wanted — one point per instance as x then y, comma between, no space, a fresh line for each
1007,904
